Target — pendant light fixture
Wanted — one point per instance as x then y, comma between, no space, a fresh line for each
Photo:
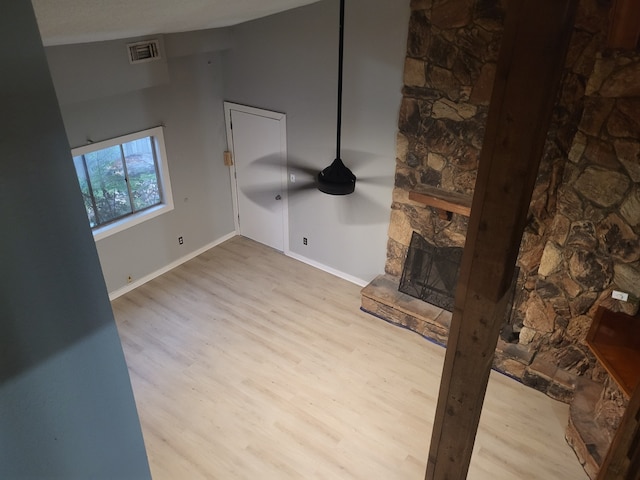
337,179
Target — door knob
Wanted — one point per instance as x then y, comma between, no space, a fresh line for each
278,197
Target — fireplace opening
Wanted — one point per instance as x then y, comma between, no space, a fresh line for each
431,273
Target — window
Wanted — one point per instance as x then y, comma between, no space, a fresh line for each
124,181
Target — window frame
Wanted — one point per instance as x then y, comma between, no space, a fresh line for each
162,168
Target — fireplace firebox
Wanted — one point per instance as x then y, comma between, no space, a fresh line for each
430,273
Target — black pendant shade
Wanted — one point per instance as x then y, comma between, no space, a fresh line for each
337,179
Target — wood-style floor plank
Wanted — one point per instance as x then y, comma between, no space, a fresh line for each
247,364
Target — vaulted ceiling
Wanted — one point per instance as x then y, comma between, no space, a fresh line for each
79,21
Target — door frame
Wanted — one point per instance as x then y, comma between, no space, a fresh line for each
282,119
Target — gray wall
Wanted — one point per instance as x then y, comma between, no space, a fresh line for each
183,93
66,405
288,63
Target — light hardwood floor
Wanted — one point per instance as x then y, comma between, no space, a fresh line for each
247,364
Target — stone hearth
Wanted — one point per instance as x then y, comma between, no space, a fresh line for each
382,299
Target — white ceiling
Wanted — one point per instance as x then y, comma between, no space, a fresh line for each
79,21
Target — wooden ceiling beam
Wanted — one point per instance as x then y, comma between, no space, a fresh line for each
624,28
529,70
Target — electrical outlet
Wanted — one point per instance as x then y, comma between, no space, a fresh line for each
292,178
180,240
129,279
620,295
304,240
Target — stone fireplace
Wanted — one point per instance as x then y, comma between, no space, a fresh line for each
581,241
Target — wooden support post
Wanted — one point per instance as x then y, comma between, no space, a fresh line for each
624,28
530,66
623,459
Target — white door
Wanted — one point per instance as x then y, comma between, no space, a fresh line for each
257,140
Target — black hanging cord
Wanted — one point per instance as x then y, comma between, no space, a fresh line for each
337,179
340,61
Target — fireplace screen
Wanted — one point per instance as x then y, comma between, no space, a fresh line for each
431,273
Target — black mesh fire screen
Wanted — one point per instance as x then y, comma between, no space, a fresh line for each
431,273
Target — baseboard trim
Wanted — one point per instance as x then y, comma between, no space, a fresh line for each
141,281
345,276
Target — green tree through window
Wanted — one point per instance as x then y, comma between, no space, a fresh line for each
120,179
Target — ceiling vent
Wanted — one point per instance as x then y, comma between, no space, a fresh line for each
146,51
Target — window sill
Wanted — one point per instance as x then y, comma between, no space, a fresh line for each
130,221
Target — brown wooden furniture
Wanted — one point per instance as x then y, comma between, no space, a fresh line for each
614,338
623,459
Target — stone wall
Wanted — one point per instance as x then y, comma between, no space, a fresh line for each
592,247
581,241
451,56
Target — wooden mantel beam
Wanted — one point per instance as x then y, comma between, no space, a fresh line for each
529,70
624,28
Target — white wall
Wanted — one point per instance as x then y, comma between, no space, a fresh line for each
288,63
66,405
183,93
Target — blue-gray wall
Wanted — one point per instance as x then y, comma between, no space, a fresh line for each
66,405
